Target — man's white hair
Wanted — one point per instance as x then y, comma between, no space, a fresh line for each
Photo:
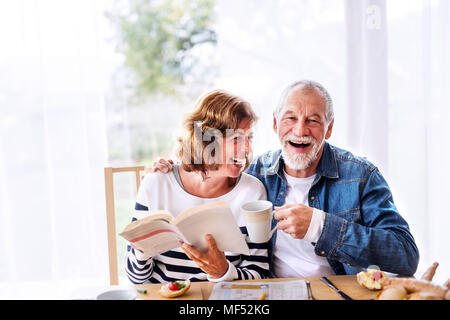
306,84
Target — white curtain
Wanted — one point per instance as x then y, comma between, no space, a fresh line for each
397,73
52,148
419,114
367,80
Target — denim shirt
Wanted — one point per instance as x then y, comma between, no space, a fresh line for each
362,226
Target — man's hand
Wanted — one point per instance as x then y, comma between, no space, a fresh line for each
212,262
294,219
160,164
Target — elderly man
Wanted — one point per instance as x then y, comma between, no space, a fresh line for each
334,210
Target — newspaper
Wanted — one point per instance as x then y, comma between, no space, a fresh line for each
276,290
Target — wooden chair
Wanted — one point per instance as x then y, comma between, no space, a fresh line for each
111,216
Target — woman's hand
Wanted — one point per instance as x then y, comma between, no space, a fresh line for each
212,262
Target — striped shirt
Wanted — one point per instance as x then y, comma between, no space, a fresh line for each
160,191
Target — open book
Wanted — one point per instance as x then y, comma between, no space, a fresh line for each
159,231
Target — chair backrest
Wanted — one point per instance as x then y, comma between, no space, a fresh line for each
111,216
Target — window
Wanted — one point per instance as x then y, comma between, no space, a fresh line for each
72,102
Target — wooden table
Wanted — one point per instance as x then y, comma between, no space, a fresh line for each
320,291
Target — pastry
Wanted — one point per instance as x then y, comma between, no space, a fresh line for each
371,279
174,288
414,285
392,293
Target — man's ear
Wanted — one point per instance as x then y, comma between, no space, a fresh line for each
275,126
329,130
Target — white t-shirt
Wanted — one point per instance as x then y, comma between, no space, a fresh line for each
159,191
296,257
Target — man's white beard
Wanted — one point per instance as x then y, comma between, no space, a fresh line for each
300,161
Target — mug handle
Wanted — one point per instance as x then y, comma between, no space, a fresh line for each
272,231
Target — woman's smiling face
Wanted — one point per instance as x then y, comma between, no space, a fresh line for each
236,146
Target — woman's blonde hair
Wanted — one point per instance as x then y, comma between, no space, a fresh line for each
215,111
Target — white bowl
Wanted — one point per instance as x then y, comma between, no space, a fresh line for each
117,294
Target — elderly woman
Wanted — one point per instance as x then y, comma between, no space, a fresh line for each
214,151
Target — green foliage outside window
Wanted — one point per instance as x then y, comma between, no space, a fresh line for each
158,40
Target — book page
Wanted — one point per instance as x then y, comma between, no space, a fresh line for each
139,227
216,219
153,234
161,238
273,290
210,206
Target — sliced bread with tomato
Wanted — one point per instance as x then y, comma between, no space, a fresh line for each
174,288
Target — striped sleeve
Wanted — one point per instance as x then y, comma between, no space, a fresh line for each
138,265
256,264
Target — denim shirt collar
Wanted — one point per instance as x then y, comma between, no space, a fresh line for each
327,166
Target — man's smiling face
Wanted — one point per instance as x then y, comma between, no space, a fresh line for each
302,127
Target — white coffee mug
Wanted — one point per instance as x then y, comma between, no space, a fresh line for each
258,219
